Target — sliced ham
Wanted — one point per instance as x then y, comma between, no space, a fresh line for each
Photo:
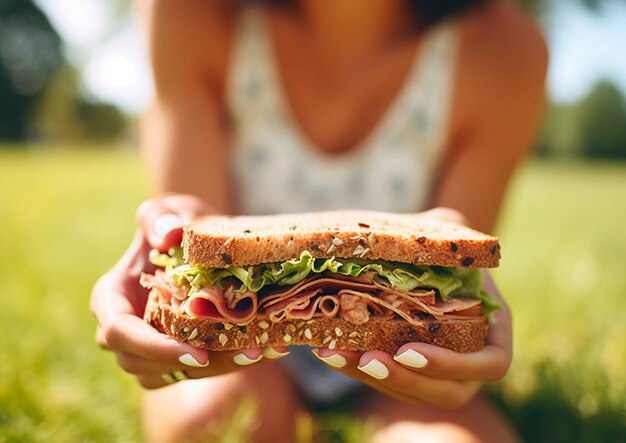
212,303
303,306
356,299
327,305
164,286
405,314
327,285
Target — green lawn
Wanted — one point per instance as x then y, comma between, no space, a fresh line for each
65,216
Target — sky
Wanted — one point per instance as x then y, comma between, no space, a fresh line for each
584,47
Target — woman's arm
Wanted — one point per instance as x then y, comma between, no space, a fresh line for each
498,105
185,147
184,134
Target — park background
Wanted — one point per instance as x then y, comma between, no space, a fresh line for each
73,79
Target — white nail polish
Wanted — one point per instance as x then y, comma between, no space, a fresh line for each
242,359
411,358
335,360
272,354
164,223
375,369
189,360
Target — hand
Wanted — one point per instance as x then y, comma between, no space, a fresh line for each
423,372
118,303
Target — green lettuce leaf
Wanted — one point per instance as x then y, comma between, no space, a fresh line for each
449,282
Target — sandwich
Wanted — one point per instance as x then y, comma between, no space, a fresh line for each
346,280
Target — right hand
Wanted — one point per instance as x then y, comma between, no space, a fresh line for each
118,302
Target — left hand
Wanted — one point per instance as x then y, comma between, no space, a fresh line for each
446,378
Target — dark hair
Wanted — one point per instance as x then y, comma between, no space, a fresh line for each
428,12
431,12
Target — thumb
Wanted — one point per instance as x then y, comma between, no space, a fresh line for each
162,219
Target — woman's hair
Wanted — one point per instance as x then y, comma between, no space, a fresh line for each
428,12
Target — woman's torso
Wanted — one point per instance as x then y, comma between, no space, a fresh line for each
279,167
279,163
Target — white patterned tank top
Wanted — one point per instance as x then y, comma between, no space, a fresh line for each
278,169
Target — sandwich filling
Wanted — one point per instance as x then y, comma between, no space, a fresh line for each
307,287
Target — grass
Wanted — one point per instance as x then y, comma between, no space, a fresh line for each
66,215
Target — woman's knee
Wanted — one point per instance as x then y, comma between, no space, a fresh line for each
239,402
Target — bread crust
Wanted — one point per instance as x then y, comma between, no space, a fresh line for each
466,335
222,241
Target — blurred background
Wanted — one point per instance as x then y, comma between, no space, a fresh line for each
73,80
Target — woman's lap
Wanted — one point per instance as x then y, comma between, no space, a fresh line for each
199,407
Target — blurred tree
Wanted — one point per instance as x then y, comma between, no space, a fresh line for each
601,122
64,113
541,6
30,53
593,127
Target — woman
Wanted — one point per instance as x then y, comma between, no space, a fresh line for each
306,105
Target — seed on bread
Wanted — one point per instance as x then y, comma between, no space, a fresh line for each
468,261
263,324
337,241
264,338
358,250
223,339
308,334
193,334
371,238
287,338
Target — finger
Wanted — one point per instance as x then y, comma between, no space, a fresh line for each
162,219
489,364
132,335
220,363
100,339
342,361
156,381
379,370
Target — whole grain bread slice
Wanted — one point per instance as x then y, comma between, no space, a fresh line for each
222,241
459,335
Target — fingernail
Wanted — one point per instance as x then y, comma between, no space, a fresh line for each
375,369
272,354
165,223
189,360
411,358
242,359
335,360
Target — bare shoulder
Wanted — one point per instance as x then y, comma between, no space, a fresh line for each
188,39
502,45
500,75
